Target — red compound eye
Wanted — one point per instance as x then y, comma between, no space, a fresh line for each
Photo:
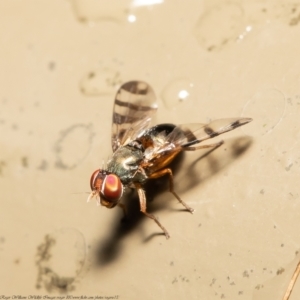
112,188
95,182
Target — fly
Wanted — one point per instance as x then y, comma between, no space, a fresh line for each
141,152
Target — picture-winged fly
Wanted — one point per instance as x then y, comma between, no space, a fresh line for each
141,152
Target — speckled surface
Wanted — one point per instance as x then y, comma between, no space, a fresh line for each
61,63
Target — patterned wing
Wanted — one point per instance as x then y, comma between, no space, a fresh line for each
135,104
196,133
185,135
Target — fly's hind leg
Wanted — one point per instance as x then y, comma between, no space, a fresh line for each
168,171
143,205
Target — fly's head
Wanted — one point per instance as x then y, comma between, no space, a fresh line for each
106,187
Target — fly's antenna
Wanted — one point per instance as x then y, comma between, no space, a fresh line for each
94,194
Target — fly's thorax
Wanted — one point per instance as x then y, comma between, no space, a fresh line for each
125,163
107,186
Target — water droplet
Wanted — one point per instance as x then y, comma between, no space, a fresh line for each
131,18
247,30
266,108
104,10
220,25
103,81
178,92
91,11
137,3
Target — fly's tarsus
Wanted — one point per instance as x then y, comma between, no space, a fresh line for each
143,206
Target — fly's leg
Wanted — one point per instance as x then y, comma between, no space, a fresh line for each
143,206
215,145
168,171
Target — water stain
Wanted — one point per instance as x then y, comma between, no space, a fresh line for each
24,161
2,166
43,165
103,81
51,65
231,21
73,146
91,11
220,25
276,287
260,12
2,241
60,259
15,126
88,11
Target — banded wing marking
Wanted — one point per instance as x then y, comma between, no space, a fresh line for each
134,106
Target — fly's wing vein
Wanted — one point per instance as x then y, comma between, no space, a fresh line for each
134,106
196,133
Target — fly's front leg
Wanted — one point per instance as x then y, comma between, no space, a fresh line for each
168,171
143,205
215,145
